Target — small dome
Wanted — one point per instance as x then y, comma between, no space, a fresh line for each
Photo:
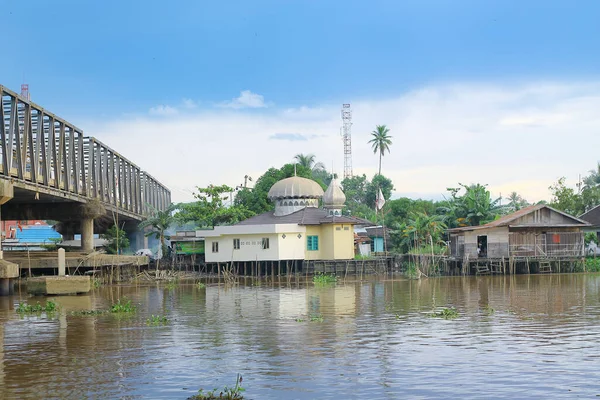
334,196
295,187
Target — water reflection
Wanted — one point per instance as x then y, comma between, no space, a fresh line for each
374,341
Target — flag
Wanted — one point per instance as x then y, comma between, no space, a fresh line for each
380,200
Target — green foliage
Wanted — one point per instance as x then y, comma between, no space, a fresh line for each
565,198
49,307
324,279
515,202
53,245
420,232
362,194
156,320
411,271
379,181
316,318
159,222
474,207
200,285
592,264
172,284
256,199
209,209
227,393
380,142
446,313
122,307
591,237
116,239
96,283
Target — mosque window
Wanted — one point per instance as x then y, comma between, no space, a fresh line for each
312,243
265,243
236,244
215,247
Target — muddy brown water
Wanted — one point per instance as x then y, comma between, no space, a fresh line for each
522,336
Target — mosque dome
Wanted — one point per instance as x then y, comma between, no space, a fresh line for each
293,194
334,197
295,187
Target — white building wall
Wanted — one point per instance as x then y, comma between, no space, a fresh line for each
251,237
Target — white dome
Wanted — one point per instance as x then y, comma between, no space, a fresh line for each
295,187
334,196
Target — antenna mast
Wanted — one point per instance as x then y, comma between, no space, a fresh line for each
347,138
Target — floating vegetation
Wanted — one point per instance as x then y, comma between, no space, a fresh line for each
200,285
156,320
122,307
446,313
96,283
89,312
316,318
488,310
24,308
172,285
324,279
233,393
300,320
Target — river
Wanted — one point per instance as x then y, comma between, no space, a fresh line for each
525,336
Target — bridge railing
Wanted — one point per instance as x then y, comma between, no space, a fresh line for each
41,148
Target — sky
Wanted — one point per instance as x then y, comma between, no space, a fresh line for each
505,93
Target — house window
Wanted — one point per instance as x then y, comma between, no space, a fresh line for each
312,243
236,244
346,228
265,243
337,228
215,247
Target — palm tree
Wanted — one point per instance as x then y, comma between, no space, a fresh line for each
593,179
308,161
380,142
159,221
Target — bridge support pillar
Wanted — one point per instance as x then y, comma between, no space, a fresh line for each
87,234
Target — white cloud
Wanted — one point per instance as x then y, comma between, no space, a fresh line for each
512,137
247,99
163,110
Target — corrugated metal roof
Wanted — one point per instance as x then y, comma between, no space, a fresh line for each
37,234
592,216
506,219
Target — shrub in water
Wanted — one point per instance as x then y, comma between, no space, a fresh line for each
122,307
324,278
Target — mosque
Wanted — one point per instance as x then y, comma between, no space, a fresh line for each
298,228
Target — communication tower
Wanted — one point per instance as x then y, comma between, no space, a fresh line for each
25,91
347,138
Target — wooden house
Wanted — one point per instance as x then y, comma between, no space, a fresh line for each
535,231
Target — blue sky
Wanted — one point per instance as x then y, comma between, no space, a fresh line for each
106,64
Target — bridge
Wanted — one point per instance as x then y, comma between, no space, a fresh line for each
50,170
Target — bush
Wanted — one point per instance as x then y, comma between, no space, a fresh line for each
592,264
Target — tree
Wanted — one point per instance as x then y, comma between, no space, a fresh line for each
318,171
256,199
380,142
593,179
516,202
116,240
308,161
378,182
474,207
209,210
159,221
565,198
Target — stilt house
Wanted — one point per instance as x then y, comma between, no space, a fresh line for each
534,231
